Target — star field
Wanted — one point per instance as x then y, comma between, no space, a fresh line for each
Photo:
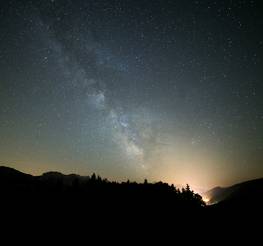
168,90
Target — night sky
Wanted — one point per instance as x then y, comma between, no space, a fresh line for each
164,90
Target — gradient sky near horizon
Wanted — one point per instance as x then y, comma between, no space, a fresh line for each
165,89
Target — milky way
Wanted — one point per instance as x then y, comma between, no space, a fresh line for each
128,131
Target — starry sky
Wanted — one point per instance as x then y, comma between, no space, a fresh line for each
165,90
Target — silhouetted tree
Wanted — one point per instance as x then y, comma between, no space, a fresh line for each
93,177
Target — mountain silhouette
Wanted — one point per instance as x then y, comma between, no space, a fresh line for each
61,200
56,194
94,191
249,193
12,176
54,177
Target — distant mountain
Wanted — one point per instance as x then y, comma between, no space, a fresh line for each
244,193
54,177
10,175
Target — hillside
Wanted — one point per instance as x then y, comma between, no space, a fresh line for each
245,193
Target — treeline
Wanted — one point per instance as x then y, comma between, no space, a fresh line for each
94,190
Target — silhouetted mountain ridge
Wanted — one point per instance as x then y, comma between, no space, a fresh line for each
94,191
66,179
12,175
243,193
82,192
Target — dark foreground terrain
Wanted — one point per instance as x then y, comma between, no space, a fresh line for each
244,194
81,192
56,198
